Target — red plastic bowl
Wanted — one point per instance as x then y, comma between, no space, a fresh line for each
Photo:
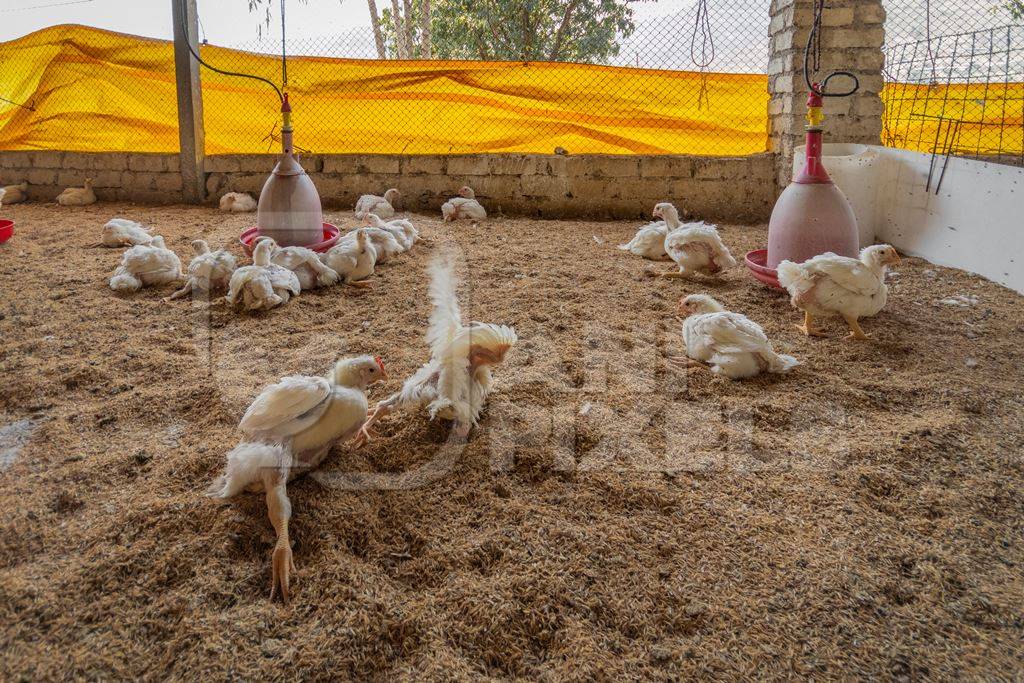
331,235
6,230
756,261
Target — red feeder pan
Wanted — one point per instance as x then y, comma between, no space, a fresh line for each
757,262
6,230
331,235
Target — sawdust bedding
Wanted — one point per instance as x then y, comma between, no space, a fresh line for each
611,517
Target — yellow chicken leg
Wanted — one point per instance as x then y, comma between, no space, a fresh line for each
279,509
855,331
808,327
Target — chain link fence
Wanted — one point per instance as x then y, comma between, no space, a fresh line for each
686,79
954,78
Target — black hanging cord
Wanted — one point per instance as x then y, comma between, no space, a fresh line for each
31,106
188,42
284,57
814,42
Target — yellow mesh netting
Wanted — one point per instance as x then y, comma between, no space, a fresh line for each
98,91
991,115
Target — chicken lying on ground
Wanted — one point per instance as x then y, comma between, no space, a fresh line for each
839,285
146,265
209,271
288,430
463,206
455,383
3,193
404,232
78,196
732,344
382,206
121,232
263,285
697,248
237,202
384,243
353,260
649,241
305,263
15,194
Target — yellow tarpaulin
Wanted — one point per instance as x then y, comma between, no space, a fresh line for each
991,117
97,91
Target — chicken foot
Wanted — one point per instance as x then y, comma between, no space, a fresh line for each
808,327
380,410
279,509
855,330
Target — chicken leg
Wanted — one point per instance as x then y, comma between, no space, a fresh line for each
808,327
279,509
683,362
379,411
855,331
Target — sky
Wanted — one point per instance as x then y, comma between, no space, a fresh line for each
225,22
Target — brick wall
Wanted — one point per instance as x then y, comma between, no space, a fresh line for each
147,178
735,188
852,37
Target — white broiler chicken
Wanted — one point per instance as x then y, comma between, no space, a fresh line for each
209,271
15,194
3,193
121,232
263,285
697,248
404,232
839,285
454,383
731,343
649,241
306,265
237,202
288,430
353,261
463,206
78,196
383,242
146,265
382,206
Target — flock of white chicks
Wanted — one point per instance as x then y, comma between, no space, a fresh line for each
290,427
730,343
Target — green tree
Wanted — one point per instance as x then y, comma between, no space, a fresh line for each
1015,8
527,30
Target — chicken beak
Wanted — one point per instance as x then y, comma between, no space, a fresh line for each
895,259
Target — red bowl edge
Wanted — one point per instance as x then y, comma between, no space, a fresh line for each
755,261
331,235
6,230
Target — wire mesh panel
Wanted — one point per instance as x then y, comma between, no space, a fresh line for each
82,89
955,79
689,80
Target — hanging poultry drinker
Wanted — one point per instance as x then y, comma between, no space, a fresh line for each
812,215
289,208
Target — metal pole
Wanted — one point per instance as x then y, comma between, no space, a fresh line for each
190,102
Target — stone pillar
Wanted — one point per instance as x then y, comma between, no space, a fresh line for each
852,35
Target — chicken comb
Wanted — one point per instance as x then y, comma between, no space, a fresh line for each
380,362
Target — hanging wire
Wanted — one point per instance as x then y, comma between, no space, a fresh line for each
702,30
31,106
812,55
928,38
284,57
188,43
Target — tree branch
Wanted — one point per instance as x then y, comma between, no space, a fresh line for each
563,28
378,38
425,48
